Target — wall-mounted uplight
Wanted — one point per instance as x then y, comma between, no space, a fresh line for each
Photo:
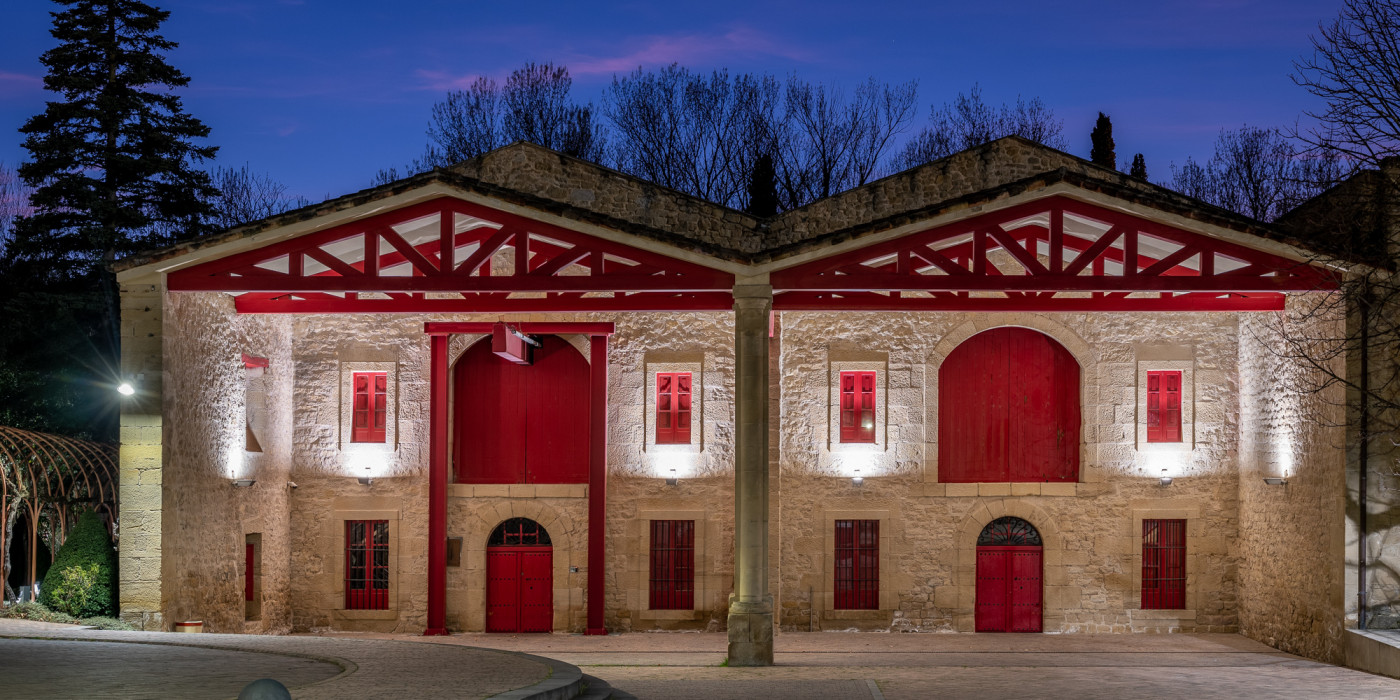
365,480
1165,480
673,480
243,483
857,480
1275,481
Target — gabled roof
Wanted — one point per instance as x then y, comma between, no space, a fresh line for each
537,179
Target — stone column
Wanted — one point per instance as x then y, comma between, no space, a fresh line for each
751,605
141,457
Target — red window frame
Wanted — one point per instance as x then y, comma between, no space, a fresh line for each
1163,564
1164,406
672,565
857,407
673,402
857,570
370,412
366,564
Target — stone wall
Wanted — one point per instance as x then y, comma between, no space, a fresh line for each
1290,537
140,457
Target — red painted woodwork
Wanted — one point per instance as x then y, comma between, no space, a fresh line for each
249,569
519,589
474,255
518,424
857,406
529,328
857,565
366,564
254,362
369,412
597,483
1164,406
1163,564
672,565
1008,409
507,344
1009,589
672,408
437,486
1024,258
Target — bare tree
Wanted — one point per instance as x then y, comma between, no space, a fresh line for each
1355,69
832,144
14,201
1256,172
245,196
968,122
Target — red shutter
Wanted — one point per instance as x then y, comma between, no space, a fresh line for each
1163,564
672,565
370,410
857,406
249,568
857,566
1164,406
673,403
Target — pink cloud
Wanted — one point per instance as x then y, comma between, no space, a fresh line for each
438,80
19,83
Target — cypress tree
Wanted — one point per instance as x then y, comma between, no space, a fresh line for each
1101,152
112,160
763,188
1139,169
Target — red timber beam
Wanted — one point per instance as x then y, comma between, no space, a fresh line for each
1114,262
449,255
440,333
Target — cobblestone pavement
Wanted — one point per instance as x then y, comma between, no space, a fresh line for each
682,666
39,660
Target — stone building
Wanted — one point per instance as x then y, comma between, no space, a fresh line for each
1005,391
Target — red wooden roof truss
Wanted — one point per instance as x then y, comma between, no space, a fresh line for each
1053,254
448,255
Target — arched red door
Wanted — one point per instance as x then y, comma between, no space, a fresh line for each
519,578
521,424
1010,585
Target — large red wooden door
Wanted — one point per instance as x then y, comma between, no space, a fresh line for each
1008,409
519,589
1010,585
517,424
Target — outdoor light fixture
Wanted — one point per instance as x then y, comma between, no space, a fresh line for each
672,480
125,389
1275,481
857,480
1165,480
366,480
243,483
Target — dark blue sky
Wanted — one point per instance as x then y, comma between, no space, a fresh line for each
320,94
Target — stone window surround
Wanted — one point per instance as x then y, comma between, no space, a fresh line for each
391,405
838,362
706,585
693,363
1188,402
1191,513
255,409
889,541
336,535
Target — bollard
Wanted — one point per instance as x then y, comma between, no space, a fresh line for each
265,689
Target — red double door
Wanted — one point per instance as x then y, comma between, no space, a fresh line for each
519,589
1009,589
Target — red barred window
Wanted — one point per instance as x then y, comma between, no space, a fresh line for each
1163,564
857,407
367,565
370,411
857,565
672,408
1164,406
672,565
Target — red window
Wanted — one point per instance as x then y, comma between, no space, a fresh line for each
1163,564
857,565
249,570
1164,406
857,407
367,565
672,565
369,413
672,408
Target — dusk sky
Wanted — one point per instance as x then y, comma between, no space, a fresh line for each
320,94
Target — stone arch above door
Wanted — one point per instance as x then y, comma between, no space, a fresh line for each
1059,595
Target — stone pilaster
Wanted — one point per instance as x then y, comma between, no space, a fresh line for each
751,605
139,489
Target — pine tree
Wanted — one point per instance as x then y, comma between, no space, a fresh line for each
113,159
1139,168
1102,138
763,188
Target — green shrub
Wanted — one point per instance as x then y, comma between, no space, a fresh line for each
107,623
88,549
36,612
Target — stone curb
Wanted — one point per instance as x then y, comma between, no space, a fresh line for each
565,680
